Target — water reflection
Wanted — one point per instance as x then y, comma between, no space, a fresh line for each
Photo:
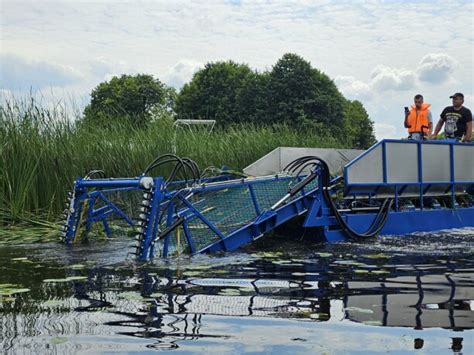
278,298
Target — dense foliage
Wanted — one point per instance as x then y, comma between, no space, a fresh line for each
292,92
358,127
128,97
43,151
129,121
215,92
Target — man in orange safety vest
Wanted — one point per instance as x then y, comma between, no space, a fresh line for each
418,119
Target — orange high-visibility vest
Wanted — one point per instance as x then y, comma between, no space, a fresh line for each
418,123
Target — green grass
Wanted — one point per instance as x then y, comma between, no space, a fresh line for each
43,150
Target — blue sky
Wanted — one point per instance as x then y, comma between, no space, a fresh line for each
379,52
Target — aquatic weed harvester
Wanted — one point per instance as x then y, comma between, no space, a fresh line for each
394,188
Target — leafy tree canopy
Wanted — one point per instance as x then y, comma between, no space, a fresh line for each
292,93
297,91
130,96
218,92
359,129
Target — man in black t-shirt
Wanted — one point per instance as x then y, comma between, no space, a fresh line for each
457,120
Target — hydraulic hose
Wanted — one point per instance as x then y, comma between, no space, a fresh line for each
376,225
186,165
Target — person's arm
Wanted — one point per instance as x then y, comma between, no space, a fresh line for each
439,125
467,136
430,124
406,119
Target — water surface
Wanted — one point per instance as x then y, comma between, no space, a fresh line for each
396,295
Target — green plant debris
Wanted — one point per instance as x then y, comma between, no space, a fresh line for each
7,299
358,310
11,290
192,273
376,256
276,254
67,279
323,255
229,292
298,273
77,266
130,296
58,340
54,303
76,278
350,263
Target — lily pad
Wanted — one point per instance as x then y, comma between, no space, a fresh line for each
130,296
7,286
58,340
76,278
53,303
324,255
376,256
298,274
192,273
7,299
282,262
372,322
267,254
55,280
12,291
229,292
349,262
77,266
359,310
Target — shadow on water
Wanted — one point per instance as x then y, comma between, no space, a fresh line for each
394,294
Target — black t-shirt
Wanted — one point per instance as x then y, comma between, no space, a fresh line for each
455,121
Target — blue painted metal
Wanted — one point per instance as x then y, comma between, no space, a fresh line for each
179,204
149,216
403,223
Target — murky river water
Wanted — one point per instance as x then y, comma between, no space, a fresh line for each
394,295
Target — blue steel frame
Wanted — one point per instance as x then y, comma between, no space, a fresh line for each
398,222
372,187
264,222
92,215
159,207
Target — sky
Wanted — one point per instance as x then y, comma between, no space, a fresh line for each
381,53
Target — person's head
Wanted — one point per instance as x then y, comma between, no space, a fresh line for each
458,99
418,101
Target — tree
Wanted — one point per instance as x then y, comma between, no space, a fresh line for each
299,92
292,93
215,92
359,129
129,97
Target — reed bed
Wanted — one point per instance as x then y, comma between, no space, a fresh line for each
43,149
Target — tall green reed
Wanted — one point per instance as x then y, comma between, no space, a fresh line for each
43,150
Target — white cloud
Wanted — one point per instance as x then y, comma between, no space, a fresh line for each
18,73
344,39
181,73
385,78
384,130
352,88
435,67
